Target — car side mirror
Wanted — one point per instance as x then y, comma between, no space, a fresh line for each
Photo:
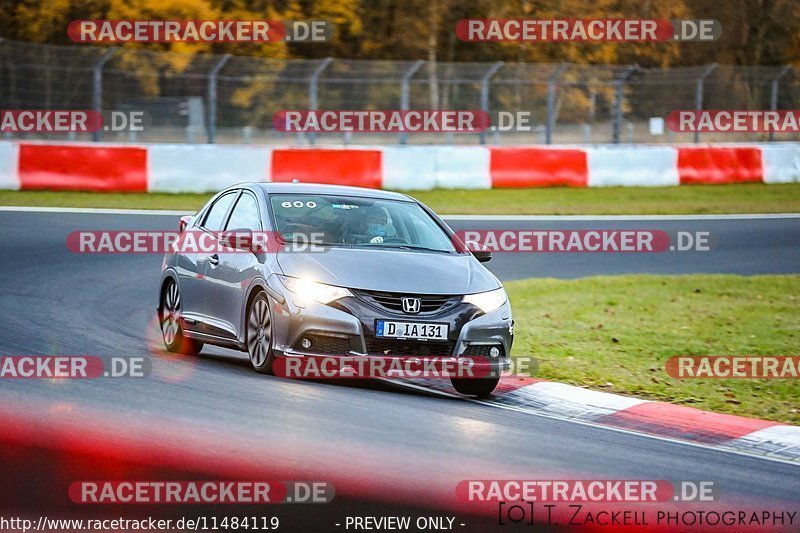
480,251
184,222
483,255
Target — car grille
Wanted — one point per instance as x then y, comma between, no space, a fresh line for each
393,347
393,302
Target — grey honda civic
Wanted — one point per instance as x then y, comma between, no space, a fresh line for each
357,272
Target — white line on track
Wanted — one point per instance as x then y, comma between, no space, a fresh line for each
167,212
93,210
743,216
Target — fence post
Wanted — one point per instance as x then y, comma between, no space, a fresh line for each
97,88
485,92
404,89
10,92
619,84
773,99
7,134
698,93
552,86
313,88
211,128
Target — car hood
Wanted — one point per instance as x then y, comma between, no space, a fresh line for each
391,270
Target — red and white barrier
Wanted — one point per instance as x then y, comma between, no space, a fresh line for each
361,168
9,158
650,166
207,168
781,162
75,167
527,166
403,165
204,168
720,164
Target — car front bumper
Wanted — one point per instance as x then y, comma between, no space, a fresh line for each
346,327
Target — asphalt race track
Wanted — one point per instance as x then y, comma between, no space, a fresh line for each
55,302
738,245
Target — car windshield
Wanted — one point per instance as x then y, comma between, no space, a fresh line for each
354,221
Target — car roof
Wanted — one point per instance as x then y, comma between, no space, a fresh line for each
317,188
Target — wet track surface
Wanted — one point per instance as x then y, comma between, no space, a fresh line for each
56,302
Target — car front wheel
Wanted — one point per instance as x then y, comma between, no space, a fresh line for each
259,335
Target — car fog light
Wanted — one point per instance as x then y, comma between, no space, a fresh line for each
494,352
305,343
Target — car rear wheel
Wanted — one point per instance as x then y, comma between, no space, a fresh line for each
171,325
259,335
480,387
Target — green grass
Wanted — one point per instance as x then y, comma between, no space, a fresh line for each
693,199
687,199
616,333
184,202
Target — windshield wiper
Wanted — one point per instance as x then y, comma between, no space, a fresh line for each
338,244
312,243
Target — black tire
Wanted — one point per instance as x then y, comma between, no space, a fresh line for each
259,334
172,325
480,387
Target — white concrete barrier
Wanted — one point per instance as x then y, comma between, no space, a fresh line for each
781,162
462,167
204,168
409,167
648,166
9,166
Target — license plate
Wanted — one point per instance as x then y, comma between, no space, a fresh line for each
411,330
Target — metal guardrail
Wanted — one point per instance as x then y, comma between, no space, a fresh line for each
224,98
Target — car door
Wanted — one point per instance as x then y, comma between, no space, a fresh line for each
232,274
203,291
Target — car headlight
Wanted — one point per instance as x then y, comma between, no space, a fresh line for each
306,290
487,301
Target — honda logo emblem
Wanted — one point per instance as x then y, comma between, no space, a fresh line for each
411,306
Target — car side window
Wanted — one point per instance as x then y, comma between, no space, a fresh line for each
245,214
215,218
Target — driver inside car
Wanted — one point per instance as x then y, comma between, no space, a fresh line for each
376,225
